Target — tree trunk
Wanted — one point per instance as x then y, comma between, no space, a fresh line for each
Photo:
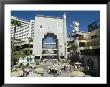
29,47
12,52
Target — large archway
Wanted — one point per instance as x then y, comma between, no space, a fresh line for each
50,46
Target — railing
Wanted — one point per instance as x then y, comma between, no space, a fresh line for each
49,48
49,43
49,54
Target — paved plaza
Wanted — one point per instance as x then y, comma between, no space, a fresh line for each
44,69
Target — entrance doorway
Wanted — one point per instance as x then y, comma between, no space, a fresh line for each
50,46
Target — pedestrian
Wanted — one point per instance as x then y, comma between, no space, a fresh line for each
59,72
55,73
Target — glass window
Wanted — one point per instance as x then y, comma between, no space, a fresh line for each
49,42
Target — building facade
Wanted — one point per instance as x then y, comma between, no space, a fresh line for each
89,43
24,31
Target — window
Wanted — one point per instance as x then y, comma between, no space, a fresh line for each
68,50
40,26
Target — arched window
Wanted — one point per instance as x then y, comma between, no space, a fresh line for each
50,41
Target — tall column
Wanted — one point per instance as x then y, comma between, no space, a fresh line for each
65,34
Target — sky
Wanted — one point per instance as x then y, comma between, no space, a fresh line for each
83,17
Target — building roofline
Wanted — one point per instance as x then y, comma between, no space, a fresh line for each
49,16
17,18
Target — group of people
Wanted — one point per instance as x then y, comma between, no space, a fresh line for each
54,70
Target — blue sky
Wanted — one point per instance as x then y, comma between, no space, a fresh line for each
83,17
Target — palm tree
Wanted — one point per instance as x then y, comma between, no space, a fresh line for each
73,53
29,40
73,47
15,23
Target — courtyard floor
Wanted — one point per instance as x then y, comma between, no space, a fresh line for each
42,70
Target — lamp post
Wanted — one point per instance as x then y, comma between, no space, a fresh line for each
60,51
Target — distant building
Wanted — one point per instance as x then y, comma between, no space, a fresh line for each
89,43
89,47
24,31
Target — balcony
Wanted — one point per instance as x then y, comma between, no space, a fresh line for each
90,40
50,51
49,54
89,47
